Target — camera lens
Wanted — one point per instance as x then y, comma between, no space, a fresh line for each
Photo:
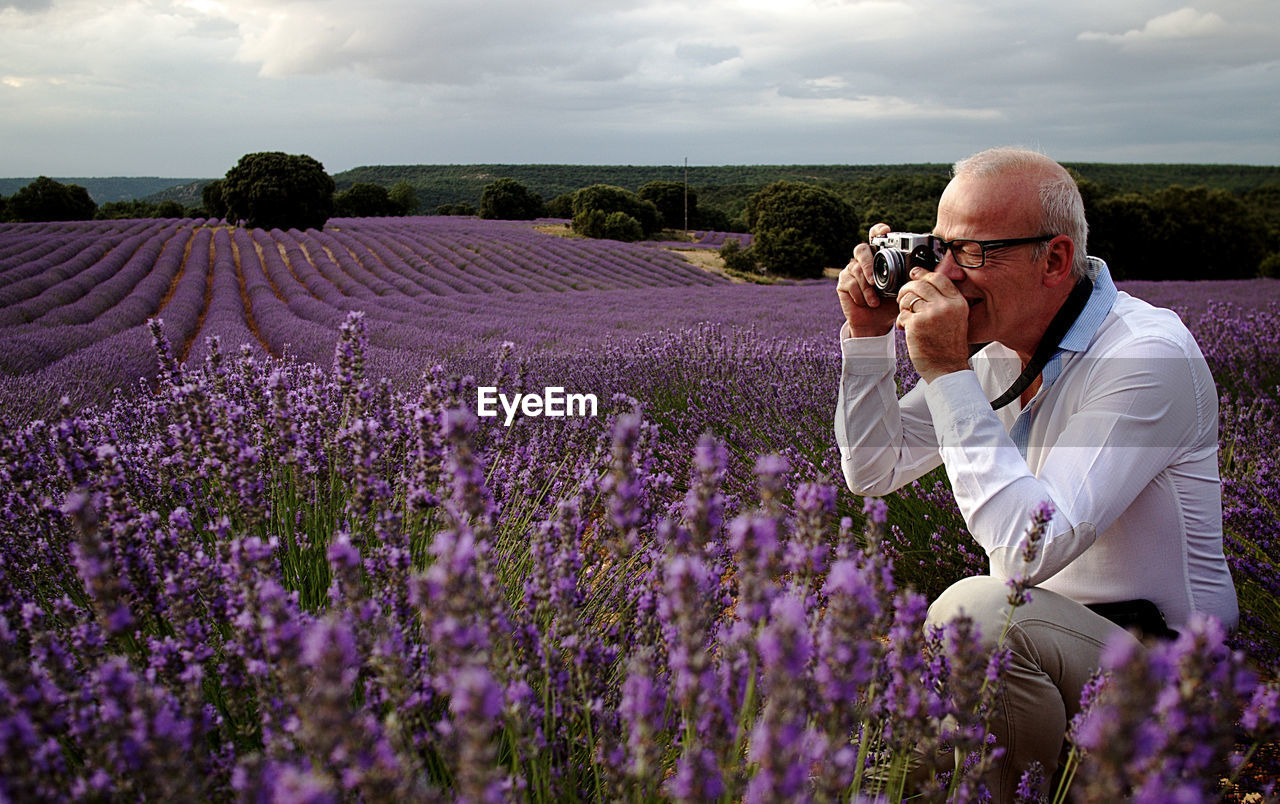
888,271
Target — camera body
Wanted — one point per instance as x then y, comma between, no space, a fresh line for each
895,254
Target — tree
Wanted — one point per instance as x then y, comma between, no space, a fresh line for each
736,258
509,200
405,197
799,229
215,206
1122,229
1178,233
608,199
169,208
274,190
715,220
47,200
122,210
364,200
908,203
561,206
670,199
608,225
1209,234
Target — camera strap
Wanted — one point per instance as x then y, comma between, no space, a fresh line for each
1066,316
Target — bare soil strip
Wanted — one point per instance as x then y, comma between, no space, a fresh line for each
182,269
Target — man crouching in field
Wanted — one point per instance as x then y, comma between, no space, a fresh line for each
1109,415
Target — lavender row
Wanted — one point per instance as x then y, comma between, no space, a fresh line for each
490,245
36,257
22,244
127,300
362,267
226,316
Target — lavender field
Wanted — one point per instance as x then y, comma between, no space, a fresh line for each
263,548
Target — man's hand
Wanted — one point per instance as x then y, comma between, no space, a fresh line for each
935,317
864,310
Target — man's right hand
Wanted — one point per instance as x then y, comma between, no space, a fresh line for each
864,310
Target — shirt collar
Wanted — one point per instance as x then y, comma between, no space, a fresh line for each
1086,325
1081,333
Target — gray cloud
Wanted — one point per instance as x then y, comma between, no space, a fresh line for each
639,81
27,6
705,54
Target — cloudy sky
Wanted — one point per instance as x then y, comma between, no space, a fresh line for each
185,87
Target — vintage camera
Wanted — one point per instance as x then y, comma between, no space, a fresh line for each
896,254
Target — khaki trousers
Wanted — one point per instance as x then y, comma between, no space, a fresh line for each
1056,643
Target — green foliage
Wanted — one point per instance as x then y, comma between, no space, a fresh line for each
1178,233
724,186
170,209
908,202
799,229
608,199
672,201
405,198
4,209
117,210
122,210
738,259
903,195
211,196
607,225
278,190
47,200
508,199
115,188
561,206
621,226
461,208
365,200
714,219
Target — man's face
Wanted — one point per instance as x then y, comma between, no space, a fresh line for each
1005,294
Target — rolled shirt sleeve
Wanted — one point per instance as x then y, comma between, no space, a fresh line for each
885,442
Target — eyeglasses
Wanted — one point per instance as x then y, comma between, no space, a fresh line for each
973,253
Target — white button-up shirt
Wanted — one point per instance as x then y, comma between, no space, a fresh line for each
1121,437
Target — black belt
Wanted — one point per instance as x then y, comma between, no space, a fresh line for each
1142,616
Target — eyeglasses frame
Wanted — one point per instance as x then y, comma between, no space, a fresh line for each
985,246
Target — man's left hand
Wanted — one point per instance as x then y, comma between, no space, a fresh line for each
935,317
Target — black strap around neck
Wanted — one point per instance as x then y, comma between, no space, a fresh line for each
1067,315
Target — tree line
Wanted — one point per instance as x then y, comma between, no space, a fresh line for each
806,221
265,188
1147,221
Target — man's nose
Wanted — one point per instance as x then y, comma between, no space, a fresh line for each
951,269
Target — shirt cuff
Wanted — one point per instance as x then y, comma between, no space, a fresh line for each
869,355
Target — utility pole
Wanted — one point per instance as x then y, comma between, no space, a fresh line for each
686,197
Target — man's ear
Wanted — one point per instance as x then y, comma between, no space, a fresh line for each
1058,261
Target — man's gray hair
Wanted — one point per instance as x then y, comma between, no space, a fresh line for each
1060,201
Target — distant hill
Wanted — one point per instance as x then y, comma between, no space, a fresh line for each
114,188
725,186
447,184
186,194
